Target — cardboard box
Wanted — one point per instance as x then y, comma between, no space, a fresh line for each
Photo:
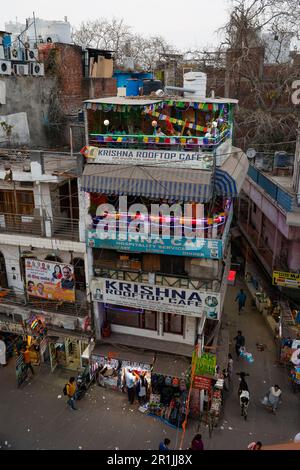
104,67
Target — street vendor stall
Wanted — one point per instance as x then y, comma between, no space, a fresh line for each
170,383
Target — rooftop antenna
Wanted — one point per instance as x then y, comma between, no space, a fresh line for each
33,14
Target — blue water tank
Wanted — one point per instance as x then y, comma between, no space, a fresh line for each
6,40
132,87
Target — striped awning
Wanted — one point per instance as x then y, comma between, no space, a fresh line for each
149,181
230,177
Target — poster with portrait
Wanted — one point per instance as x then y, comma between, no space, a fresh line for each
50,280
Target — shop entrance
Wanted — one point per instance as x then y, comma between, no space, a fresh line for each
66,352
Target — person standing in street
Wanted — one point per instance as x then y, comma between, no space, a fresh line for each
229,367
130,384
255,445
197,443
273,395
27,360
141,389
239,342
241,298
71,393
164,445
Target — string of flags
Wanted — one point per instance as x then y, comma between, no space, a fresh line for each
187,104
163,117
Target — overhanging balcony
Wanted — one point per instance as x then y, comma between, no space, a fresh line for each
55,227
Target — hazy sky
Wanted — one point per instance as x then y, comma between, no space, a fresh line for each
183,23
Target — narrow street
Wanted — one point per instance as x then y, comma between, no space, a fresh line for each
34,417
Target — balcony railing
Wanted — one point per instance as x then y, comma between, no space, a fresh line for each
176,143
57,227
167,280
282,196
79,308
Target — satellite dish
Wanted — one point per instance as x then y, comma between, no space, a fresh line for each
251,153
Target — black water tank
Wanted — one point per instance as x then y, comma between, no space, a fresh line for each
150,85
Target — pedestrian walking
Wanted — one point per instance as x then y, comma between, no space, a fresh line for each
197,443
27,360
164,445
255,445
229,367
239,342
141,389
71,393
130,380
241,299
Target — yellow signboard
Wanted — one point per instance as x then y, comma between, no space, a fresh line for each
284,279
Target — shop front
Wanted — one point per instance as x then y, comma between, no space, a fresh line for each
65,350
170,381
109,365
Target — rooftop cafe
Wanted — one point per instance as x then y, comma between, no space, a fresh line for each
169,124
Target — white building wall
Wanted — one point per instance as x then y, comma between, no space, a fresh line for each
12,255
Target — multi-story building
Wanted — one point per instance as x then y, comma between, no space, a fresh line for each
157,292
268,213
43,254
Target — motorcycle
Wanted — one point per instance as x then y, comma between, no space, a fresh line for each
83,383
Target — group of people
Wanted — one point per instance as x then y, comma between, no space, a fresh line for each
196,444
136,385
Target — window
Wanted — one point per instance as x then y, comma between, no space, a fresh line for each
173,323
126,316
172,265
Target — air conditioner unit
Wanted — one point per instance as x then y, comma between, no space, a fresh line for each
21,69
31,54
16,53
5,67
37,69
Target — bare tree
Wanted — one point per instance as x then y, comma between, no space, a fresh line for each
117,36
258,32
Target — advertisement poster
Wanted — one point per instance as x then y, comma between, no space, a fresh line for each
158,298
50,280
284,279
201,248
202,383
206,364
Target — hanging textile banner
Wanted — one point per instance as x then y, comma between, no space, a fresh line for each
163,117
187,105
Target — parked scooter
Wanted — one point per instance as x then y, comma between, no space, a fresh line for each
83,383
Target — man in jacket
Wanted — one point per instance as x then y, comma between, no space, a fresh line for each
241,298
71,390
239,342
27,360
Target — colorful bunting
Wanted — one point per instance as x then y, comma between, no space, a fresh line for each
179,122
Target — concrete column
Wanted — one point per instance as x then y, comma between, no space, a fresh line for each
160,323
86,127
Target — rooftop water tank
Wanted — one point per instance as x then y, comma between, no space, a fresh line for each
151,85
195,81
132,87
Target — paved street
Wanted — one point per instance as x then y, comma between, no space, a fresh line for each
35,418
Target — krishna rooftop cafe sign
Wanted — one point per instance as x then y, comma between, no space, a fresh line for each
158,298
148,157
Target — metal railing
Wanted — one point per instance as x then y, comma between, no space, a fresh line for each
55,227
162,142
79,308
282,196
